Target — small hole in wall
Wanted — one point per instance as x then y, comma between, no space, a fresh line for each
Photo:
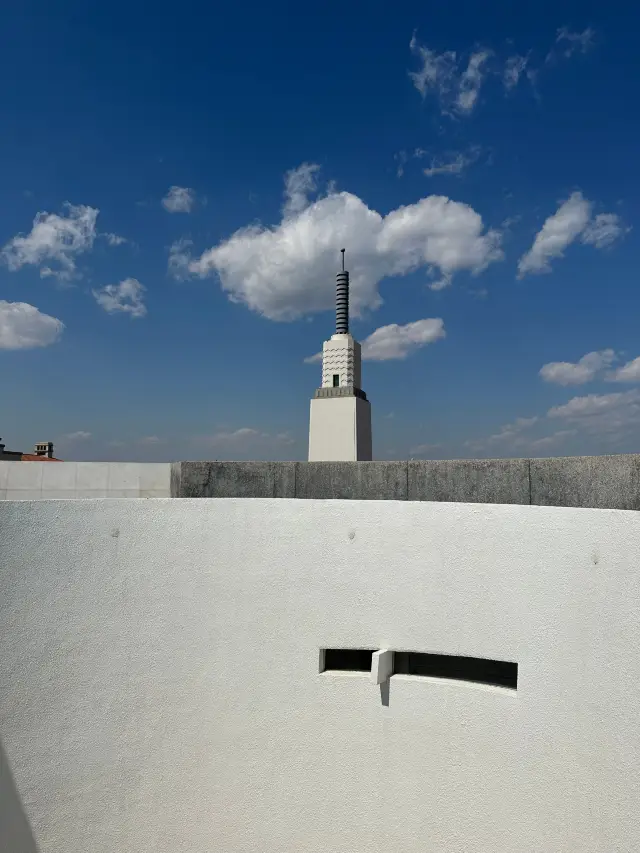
480,670
353,660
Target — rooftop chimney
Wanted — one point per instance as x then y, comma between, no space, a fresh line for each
44,448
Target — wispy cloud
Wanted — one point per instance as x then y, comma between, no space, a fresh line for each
79,435
571,221
299,184
456,87
569,42
123,298
179,200
452,164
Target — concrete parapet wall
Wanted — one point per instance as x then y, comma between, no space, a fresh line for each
48,480
599,482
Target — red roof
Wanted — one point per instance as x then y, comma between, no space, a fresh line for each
33,457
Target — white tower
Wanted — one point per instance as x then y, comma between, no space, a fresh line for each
340,422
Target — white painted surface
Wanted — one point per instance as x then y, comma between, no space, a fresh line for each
340,430
48,480
159,685
341,357
381,666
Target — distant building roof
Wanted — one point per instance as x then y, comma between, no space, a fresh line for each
34,457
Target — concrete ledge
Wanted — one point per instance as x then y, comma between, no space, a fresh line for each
233,480
598,482
490,481
603,482
359,481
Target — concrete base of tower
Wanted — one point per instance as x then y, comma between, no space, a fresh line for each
340,430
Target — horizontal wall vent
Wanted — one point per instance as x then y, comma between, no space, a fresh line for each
346,660
479,670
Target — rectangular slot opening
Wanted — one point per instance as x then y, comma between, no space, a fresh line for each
346,660
479,670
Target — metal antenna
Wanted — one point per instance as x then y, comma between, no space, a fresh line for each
342,300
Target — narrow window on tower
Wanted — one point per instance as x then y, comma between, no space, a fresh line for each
336,380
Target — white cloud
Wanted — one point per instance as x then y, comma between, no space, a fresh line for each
457,90
299,183
150,439
572,219
553,439
423,449
629,372
603,230
179,200
179,259
605,415
574,41
511,430
246,437
54,238
455,164
126,297
397,342
584,370
288,271
114,239
513,69
558,231
79,435
22,326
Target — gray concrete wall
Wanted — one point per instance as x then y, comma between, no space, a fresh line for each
46,480
606,482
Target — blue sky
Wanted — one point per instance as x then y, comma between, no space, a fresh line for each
178,183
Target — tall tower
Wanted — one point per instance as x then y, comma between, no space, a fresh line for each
340,421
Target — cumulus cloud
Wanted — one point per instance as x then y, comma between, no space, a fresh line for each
604,415
125,297
457,88
288,271
22,326
570,221
397,342
54,239
629,372
179,200
580,372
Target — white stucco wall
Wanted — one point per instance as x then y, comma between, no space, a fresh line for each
159,685
340,429
48,480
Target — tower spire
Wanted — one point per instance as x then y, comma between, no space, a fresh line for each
342,300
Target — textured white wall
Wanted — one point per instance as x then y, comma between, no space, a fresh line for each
159,689
48,480
341,355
